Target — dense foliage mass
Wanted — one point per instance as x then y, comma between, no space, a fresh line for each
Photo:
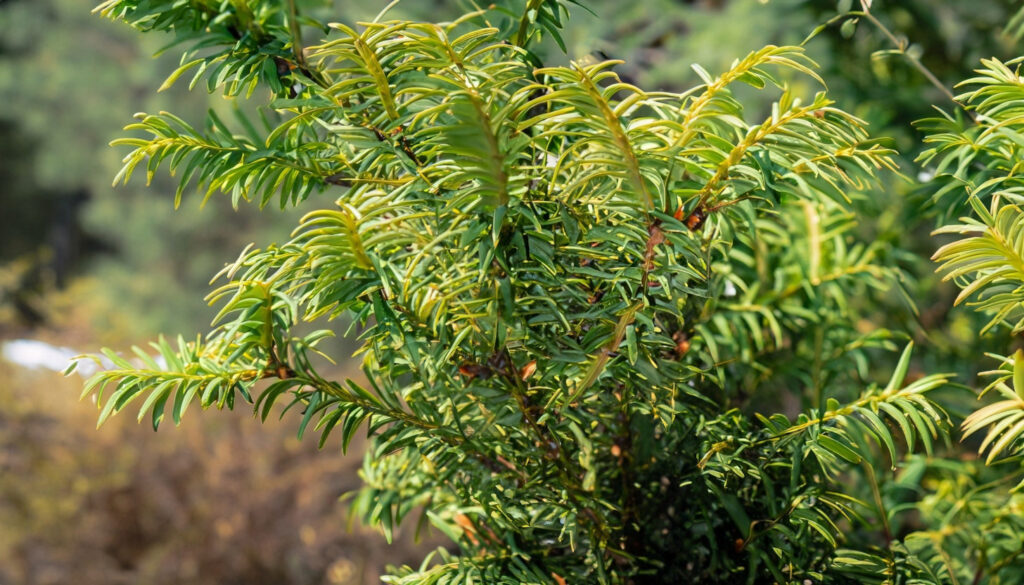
608,335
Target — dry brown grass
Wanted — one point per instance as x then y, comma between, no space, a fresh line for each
221,500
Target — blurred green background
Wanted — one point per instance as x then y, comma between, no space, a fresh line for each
223,499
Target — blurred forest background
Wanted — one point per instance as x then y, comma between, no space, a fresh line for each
223,499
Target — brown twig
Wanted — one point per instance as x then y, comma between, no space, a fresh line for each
901,48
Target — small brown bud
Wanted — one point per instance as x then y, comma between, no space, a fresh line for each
682,344
526,371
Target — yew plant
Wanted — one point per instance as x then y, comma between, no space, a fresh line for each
972,516
607,334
